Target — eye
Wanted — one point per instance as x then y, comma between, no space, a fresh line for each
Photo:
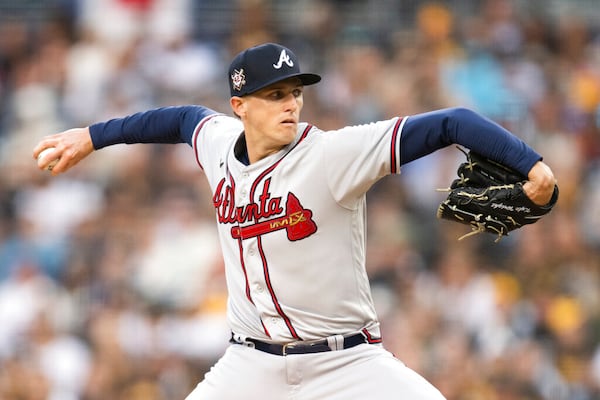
276,94
297,92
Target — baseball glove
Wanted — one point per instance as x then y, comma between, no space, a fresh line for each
489,197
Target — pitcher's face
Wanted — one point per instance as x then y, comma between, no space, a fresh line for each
271,115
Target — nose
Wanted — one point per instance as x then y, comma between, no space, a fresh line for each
291,102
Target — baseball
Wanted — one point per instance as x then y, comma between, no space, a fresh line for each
44,153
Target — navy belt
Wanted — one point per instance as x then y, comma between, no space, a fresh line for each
303,347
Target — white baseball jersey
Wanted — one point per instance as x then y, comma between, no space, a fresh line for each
292,227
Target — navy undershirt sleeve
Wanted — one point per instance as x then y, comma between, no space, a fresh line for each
424,133
161,125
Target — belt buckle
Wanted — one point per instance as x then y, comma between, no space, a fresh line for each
309,346
287,346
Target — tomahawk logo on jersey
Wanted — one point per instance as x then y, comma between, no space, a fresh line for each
268,215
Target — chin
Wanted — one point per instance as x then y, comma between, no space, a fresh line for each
289,133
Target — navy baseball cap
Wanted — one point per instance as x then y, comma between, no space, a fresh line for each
262,65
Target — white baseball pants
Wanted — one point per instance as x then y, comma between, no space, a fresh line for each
363,372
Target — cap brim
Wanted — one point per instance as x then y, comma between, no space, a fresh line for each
309,79
306,79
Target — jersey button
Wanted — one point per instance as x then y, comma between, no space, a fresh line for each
251,252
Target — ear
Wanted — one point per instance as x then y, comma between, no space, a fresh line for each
238,106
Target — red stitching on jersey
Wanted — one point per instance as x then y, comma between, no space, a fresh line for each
195,136
241,248
393,160
265,328
370,339
272,292
272,167
248,293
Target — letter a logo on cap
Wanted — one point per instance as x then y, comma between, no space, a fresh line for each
283,58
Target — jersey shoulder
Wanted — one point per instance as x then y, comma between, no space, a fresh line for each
214,135
220,123
216,128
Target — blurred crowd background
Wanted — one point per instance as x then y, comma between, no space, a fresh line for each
111,279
